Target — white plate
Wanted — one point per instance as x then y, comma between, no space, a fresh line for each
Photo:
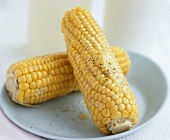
60,118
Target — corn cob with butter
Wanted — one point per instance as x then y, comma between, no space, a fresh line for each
106,92
39,79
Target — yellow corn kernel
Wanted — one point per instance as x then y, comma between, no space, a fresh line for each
27,93
30,69
20,95
115,97
99,116
116,89
34,76
106,120
128,108
110,104
106,112
33,92
97,103
96,111
39,75
110,94
118,101
132,115
33,85
23,86
44,82
28,63
33,62
135,120
106,100
17,66
116,115
17,73
101,106
121,107
125,114
125,101
44,67
100,124
22,79
44,74
101,97
28,78
38,84
39,67
113,109
23,70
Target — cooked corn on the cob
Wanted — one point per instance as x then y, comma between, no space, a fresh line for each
42,78
106,92
39,79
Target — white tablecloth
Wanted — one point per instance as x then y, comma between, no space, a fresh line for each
13,19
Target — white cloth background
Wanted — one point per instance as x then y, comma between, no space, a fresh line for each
13,25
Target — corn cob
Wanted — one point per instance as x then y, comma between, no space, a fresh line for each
42,78
106,92
39,79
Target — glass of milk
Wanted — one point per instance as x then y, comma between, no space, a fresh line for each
44,25
132,24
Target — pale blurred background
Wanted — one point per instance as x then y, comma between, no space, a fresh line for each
130,24
32,27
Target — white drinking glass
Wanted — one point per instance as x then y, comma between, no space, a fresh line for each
132,24
44,25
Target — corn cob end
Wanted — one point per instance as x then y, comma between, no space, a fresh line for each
119,125
12,87
10,84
